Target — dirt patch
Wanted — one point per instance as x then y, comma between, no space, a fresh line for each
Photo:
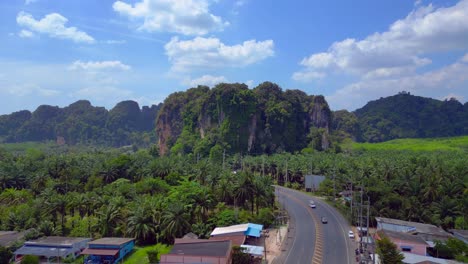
273,242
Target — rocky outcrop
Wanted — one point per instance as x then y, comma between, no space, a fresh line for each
262,120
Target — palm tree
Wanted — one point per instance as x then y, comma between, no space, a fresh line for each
109,217
245,189
175,222
204,201
142,223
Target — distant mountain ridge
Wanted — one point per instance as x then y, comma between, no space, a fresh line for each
232,117
404,116
82,123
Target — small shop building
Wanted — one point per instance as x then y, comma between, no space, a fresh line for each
108,250
52,249
199,251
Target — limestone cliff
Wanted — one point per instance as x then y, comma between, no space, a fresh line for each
260,120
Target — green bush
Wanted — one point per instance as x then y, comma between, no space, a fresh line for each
5,255
30,260
265,216
152,255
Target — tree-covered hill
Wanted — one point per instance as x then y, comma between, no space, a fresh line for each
82,123
403,116
235,119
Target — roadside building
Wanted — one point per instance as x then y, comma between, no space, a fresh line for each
248,230
411,258
312,182
460,234
108,250
429,233
53,249
405,242
199,251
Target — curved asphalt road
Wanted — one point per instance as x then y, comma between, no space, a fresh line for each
310,240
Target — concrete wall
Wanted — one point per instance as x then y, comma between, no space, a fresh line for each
126,248
168,259
393,227
416,248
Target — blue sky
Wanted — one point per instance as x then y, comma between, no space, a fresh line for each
106,51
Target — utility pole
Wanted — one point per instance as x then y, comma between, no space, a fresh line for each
334,185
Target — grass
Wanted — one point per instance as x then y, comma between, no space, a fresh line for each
139,255
457,144
22,147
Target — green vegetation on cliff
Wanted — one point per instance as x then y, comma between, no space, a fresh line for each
82,123
408,116
233,118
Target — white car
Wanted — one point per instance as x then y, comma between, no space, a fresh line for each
312,204
351,234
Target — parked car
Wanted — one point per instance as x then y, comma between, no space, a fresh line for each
324,220
312,204
351,234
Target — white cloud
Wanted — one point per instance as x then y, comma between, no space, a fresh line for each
26,34
446,79
188,17
25,89
115,42
404,46
99,65
208,80
307,76
53,25
212,53
103,93
465,58
250,83
240,3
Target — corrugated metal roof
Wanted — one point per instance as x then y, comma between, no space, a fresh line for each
100,252
114,241
254,230
413,259
230,229
236,240
212,248
57,241
44,251
253,250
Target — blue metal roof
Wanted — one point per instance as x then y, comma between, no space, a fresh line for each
254,230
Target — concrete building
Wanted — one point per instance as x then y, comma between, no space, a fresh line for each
428,232
108,250
199,251
249,230
53,249
312,182
405,242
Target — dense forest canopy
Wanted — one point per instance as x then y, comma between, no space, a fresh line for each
408,116
115,193
82,123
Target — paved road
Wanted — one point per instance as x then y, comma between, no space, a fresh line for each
310,240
